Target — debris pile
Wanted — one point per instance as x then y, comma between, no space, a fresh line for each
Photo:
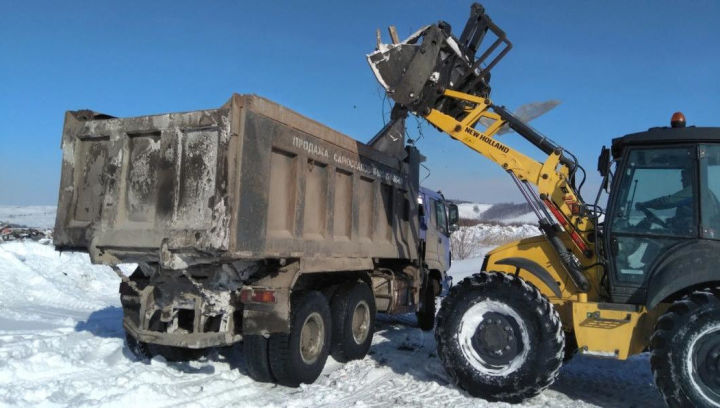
14,232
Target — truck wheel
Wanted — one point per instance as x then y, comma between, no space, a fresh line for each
685,355
255,349
426,314
499,338
353,321
300,356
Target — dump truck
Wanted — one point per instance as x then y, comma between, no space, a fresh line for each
253,224
637,276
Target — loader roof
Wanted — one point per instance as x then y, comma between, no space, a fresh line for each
666,135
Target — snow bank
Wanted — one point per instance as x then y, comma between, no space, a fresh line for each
38,281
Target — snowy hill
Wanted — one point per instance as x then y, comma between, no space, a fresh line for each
504,213
472,241
62,344
36,216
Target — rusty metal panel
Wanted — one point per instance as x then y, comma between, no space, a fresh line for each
342,214
250,180
92,156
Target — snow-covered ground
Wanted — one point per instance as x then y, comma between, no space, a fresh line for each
62,344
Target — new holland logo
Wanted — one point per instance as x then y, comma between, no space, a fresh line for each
494,143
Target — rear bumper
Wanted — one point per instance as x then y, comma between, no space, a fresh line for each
177,314
185,340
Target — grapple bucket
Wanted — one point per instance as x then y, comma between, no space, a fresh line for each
415,72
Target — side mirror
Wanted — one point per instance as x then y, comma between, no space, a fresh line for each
604,162
453,217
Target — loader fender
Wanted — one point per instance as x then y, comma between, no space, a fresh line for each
686,265
535,269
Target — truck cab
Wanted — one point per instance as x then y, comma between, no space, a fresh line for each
438,219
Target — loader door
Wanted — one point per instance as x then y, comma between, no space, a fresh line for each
653,207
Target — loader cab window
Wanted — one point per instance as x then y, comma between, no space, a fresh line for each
655,207
656,193
710,190
441,217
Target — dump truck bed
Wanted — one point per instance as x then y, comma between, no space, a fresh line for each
249,180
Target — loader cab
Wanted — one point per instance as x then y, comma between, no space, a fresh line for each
662,229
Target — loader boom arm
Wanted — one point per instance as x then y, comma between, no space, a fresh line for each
558,207
440,78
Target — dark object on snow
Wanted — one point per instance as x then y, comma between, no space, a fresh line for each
12,232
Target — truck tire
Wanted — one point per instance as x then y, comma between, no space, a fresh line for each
426,314
300,356
685,356
499,338
353,321
255,349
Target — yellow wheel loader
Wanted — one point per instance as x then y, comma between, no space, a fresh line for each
639,276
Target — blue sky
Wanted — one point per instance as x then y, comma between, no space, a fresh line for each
617,66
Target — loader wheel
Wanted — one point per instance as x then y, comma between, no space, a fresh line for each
686,351
499,338
426,314
353,321
300,356
255,349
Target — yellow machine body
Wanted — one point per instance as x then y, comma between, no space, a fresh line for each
600,329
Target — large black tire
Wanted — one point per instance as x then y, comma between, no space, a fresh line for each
685,355
255,349
299,357
426,314
499,338
353,321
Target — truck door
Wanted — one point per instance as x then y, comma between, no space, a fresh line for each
437,236
443,235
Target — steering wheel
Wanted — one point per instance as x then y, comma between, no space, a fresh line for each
653,218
